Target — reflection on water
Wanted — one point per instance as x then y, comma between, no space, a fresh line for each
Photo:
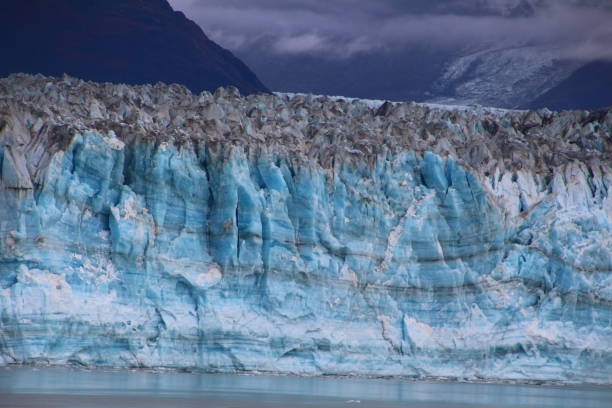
63,387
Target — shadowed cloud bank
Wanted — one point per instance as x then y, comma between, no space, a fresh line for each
344,28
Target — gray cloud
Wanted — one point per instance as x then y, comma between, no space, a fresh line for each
579,29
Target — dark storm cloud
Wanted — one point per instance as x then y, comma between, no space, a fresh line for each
341,28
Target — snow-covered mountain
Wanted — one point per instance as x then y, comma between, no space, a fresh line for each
509,77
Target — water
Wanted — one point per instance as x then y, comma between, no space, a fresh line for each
68,388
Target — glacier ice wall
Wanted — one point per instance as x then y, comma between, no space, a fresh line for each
149,227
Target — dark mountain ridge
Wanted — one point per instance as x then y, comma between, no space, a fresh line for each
589,87
120,41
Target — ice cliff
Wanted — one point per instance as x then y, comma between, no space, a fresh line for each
151,227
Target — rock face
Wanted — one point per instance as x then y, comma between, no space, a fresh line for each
151,227
121,41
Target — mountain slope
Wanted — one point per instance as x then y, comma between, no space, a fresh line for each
589,87
122,41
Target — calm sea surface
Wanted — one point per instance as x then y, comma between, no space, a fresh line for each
67,388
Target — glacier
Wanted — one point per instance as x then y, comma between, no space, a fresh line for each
149,227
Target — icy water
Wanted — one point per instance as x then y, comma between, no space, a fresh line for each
67,388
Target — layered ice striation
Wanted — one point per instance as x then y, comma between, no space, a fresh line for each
150,227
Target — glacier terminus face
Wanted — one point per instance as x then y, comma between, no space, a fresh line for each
150,227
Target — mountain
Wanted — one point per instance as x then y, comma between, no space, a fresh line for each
507,77
408,76
120,41
150,227
589,87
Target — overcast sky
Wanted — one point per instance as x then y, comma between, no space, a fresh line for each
341,28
